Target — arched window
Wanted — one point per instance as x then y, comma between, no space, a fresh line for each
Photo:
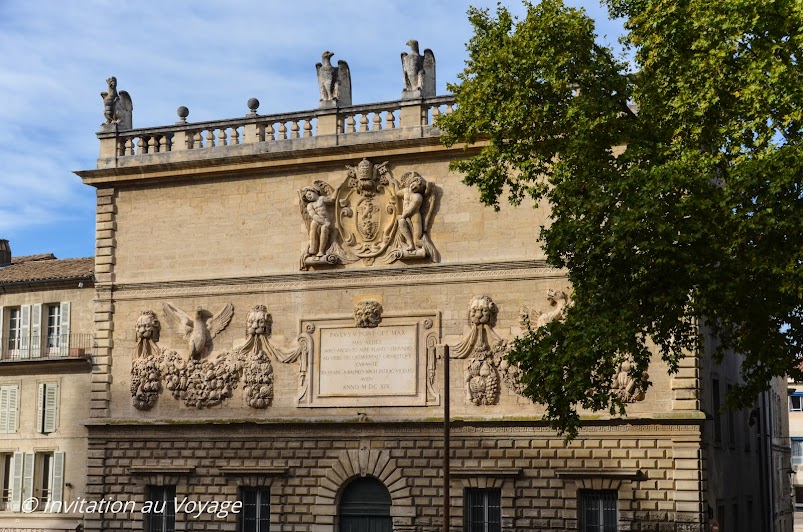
365,507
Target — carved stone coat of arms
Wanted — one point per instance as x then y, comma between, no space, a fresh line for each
370,216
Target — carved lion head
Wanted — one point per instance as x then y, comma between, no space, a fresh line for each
368,313
258,322
482,311
148,326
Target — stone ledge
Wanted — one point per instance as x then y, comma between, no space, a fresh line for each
160,469
254,470
511,472
617,474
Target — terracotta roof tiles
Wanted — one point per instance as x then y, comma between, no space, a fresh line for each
46,267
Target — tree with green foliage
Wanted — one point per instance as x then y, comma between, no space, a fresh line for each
673,181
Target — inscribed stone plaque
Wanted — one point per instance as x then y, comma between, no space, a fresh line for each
364,362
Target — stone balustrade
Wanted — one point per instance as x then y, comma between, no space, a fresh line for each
125,147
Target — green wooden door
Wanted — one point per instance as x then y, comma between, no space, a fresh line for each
365,507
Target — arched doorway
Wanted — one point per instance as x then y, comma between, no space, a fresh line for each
365,507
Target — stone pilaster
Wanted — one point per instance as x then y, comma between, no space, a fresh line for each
686,384
105,243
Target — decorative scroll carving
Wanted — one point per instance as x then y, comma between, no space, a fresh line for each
418,72
367,313
625,386
117,107
433,397
333,82
375,217
198,331
207,382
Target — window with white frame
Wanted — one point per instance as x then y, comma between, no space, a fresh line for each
6,475
34,331
14,343
797,451
9,406
598,511
483,510
38,475
47,407
53,333
796,403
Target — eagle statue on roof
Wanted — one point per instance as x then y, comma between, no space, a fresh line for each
334,82
418,71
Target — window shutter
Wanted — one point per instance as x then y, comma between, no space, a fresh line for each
27,476
57,480
2,329
40,407
64,313
36,330
5,410
25,331
16,483
51,406
13,407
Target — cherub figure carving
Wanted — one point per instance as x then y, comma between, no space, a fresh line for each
418,204
198,331
315,201
334,82
117,107
418,71
411,224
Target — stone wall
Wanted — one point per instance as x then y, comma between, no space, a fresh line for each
307,467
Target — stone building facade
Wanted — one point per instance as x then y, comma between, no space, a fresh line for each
273,298
46,340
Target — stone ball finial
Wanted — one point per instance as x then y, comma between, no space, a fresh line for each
183,113
253,105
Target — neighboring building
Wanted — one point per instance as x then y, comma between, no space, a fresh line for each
796,436
46,338
746,452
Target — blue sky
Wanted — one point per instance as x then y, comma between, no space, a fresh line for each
209,56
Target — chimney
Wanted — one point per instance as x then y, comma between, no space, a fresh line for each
5,253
